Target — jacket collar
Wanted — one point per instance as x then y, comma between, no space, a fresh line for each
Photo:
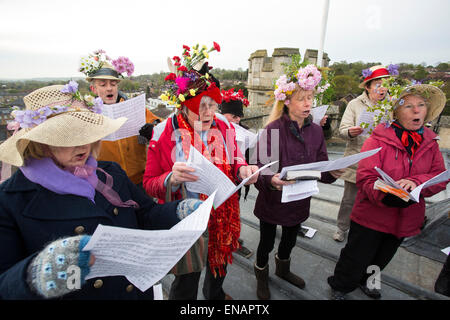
388,136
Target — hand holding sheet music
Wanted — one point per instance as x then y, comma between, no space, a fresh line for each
391,186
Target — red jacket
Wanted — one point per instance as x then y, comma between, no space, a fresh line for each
161,157
393,159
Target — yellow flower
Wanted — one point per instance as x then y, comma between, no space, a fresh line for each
181,97
178,105
206,55
195,51
192,92
207,75
164,97
204,47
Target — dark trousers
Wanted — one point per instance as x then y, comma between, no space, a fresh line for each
267,241
185,286
365,247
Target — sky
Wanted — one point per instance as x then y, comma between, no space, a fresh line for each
47,38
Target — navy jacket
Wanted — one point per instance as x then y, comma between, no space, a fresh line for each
291,145
32,216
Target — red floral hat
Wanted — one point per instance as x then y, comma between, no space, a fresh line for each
185,84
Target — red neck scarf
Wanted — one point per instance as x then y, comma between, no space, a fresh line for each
224,226
411,140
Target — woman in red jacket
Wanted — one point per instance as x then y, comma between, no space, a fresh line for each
410,155
197,95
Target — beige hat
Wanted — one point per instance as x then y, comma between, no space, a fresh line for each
434,97
75,126
106,72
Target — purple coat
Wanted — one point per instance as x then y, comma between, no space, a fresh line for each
296,146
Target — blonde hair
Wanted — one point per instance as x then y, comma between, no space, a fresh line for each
278,106
38,150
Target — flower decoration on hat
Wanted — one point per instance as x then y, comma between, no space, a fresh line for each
397,88
93,63
190,78
31,118
308,78
231,95
377,72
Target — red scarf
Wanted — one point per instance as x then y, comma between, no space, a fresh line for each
224,226
411,140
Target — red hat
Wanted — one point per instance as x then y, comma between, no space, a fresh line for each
211,91
374,72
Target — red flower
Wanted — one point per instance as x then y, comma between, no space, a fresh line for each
216,46
186,48
182,68
171,77
177,64
176,58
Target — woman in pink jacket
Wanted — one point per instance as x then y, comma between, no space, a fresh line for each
380,221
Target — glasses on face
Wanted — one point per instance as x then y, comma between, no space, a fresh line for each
207,107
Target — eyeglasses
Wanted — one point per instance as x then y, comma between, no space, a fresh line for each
207,107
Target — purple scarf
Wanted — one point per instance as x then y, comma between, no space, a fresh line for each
80,181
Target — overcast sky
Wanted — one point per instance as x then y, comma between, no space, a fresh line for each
47,38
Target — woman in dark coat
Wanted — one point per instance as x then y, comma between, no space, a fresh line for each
60,195
299,140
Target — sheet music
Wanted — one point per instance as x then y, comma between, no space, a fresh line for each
245,138
210,178
145,256
324,166
318,113
132,109
299,190
415,194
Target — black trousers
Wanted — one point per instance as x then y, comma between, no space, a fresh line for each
185,287
365,247
267,241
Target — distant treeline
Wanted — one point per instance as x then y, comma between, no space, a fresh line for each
345,76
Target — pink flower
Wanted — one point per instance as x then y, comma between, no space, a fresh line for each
182,84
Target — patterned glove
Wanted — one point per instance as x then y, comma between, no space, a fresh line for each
60,268
186,207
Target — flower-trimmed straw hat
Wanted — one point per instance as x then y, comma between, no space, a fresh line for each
57,116
433,96
100,66
377,72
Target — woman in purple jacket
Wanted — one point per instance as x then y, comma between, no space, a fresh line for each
292,138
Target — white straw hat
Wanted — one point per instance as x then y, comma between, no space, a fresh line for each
76,126
434,97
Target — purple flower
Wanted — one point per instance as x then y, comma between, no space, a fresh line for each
123,64
392,69
414,82
98,105
71,87
366,73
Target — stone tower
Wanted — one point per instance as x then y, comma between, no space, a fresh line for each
263,71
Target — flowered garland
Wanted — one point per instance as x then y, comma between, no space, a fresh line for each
228,95
392,69
32,118
384,109
93,62
184,82
308,77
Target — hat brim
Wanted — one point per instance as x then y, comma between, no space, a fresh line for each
69,129
434,96
105,77
362,85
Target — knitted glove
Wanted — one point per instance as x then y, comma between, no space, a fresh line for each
393,201
60,268
186,207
